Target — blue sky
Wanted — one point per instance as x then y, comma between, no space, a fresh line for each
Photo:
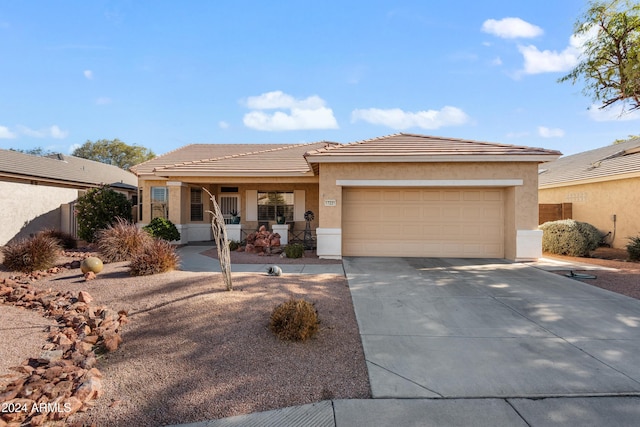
163,74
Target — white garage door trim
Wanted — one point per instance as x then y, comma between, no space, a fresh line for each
429,182
431,222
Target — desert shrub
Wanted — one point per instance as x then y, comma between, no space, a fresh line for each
121,240
233,245
162,229
294,250
294,320
569,237
157,256
36,253
98,208
633,248
66,240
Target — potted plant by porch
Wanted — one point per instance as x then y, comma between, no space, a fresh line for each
280,219
235,217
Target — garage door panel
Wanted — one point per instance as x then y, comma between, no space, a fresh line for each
423,222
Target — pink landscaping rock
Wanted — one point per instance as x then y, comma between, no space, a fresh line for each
84,296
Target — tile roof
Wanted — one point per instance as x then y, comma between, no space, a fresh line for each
228,159
64,168
604,163
412,145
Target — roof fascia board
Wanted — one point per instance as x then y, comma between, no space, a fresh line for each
167,174
606,178
469,158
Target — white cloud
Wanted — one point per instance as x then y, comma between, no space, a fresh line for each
308,113
57,133
5,133
280,100
546,132
103,100
398,119
50,132
538,61
88,74
496,61
511,28
548,61
73,147
223,125
612,114
297,119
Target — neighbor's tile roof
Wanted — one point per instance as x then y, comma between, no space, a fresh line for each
64,168
601,163
210,159
404,144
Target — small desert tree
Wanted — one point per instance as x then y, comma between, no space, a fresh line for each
99,208
222,243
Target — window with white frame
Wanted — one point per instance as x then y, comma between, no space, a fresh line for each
274,204
159,202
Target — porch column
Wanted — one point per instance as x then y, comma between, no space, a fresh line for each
178,208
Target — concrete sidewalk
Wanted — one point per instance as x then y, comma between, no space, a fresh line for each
191,259
583,412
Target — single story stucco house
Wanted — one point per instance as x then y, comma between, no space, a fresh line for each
36,192
603,187
397,195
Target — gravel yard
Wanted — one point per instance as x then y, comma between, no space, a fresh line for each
193,351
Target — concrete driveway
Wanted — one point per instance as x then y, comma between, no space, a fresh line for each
459,328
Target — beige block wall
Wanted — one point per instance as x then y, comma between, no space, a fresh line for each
27,209
521,209
596,202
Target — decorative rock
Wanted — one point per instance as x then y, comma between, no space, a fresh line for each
93,264
89,275
84,296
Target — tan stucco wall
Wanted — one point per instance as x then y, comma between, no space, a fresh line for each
521,201
179,196
27,208
596,202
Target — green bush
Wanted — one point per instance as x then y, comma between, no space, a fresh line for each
294,320
36,253
569,237
66,240
294,250
120,241
633,248
157,256
98,208
162,229
233,245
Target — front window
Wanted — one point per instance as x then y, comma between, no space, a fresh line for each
159,202
197,209
274,204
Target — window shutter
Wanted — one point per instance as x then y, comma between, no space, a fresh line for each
299,204
252,205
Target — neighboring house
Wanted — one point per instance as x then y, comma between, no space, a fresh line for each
398,195
36,192
603,187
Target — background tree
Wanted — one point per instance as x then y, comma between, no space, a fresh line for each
98,208
610,64
620,141
38,151
114,152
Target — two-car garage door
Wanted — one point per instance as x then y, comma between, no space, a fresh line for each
423,222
